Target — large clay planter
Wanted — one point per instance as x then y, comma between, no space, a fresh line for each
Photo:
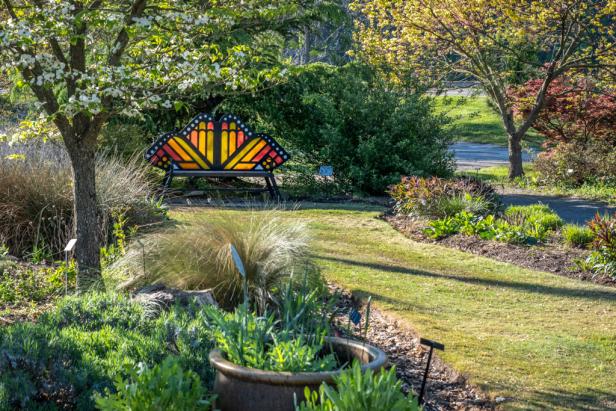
249,389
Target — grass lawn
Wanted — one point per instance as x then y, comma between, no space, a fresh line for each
541,340
476,122
498,175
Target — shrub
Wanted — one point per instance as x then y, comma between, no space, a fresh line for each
36,206
125,138
575,165
165,386
357,390
578,123
197,256
436,197
81,347
577,236
349,118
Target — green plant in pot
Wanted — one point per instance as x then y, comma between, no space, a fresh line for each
264,361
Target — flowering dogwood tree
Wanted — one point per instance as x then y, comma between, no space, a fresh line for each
496,42
85,60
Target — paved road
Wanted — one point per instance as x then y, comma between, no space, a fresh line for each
571,210
470,156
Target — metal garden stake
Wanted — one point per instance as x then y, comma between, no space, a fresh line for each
432,345
69,247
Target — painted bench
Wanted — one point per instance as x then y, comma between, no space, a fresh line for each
223,148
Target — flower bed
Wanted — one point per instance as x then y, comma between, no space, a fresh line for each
531,236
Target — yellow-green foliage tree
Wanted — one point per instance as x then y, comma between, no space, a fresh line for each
496,42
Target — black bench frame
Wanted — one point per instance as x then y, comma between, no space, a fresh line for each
270,180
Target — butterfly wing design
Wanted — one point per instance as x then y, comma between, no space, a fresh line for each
205,144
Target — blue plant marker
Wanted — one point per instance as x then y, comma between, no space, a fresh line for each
355,316
239,265
237,260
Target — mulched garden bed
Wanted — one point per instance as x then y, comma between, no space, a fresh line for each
552,257
446,388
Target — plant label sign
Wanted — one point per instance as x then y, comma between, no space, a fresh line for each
237,260
70,245
326,171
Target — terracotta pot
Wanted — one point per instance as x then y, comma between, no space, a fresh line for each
245,389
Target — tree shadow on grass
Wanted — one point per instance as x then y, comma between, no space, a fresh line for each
589,399
592,294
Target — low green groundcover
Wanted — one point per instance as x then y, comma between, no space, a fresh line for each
85,343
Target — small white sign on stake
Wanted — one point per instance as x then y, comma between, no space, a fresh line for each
70,245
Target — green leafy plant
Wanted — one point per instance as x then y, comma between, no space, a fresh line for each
256,342
603,257
356,390
533,215
577,236
442,228
164,386
23,285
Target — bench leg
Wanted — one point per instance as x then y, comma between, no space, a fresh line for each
167,180
273,187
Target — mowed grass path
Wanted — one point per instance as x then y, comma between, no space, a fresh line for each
540,340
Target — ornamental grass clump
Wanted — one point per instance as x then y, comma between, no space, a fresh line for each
196,255
577,236
36,197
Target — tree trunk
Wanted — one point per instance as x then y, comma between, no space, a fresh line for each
515,157
87,249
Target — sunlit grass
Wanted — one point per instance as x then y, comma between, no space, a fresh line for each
540,340
475,121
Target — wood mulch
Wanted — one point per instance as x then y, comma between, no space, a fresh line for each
446,389
552,257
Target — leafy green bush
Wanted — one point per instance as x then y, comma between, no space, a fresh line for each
348,118
36,198
577,236
356,390
87,342
165,386
533,215
197,256
436,197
